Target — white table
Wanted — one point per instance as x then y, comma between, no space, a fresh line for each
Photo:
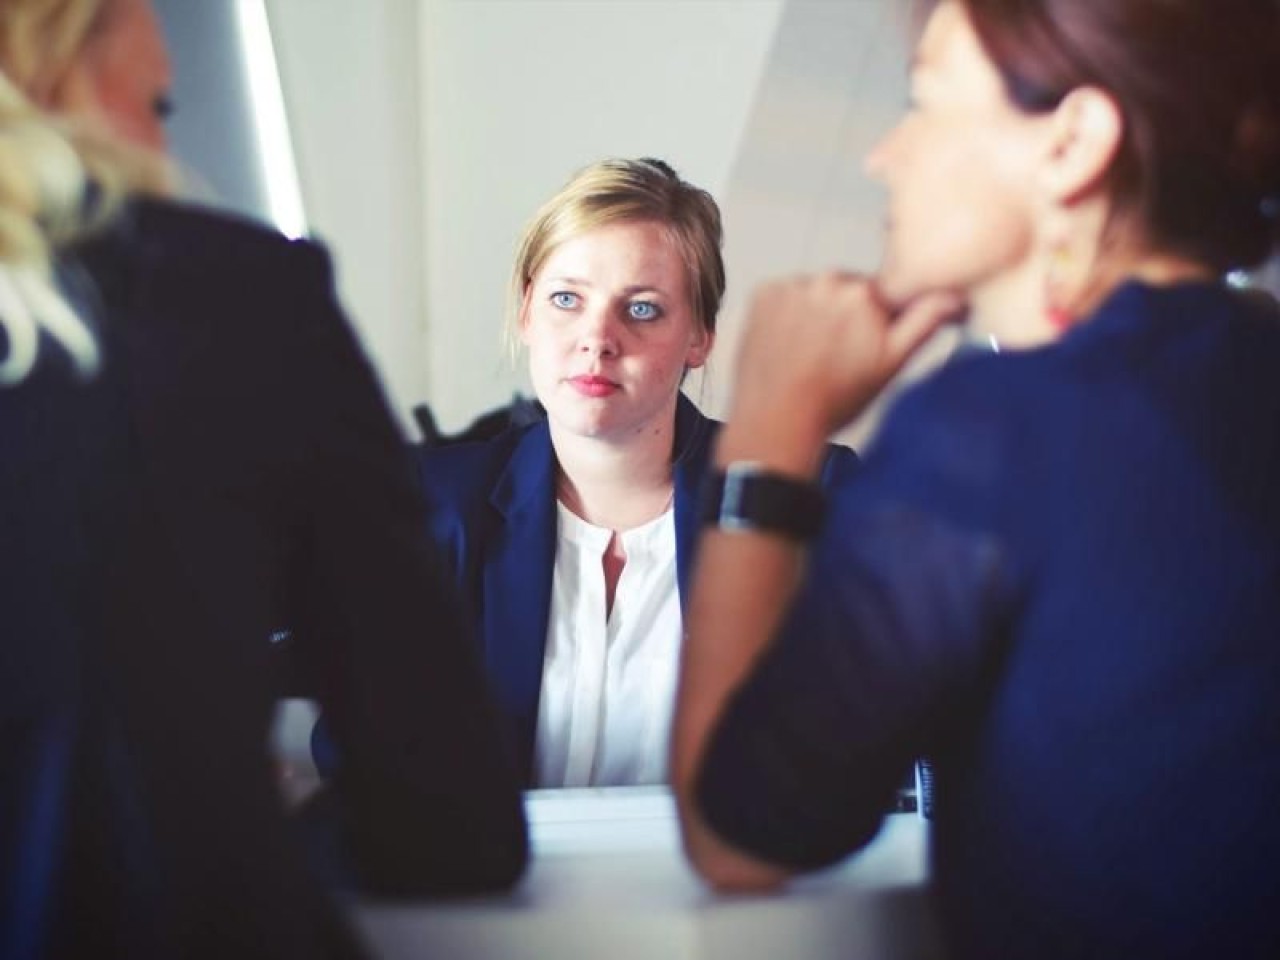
607,880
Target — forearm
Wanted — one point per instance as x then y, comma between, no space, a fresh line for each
816,351
743,585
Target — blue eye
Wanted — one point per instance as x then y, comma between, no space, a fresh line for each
643,310
564,299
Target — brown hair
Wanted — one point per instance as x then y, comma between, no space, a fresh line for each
622,190
1198,82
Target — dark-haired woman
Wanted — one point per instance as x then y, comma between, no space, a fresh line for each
1058,572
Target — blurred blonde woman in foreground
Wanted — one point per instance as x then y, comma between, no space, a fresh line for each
187,426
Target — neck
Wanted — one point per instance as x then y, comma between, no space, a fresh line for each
618,485
1165,271
1154,269
1012,308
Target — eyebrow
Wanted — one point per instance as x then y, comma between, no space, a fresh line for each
626,291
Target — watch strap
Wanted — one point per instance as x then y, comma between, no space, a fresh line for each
747,496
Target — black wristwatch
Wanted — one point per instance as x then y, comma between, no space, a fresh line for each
747,496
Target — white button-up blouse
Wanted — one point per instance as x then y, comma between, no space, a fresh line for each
608,684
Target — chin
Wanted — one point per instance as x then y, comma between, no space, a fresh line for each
580,422
895,288
898,285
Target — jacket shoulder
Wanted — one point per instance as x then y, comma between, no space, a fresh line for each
201,230
462,474
186,245
184,263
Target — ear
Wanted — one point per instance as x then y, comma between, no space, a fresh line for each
699,348
1085,136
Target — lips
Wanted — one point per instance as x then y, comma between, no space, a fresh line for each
593,386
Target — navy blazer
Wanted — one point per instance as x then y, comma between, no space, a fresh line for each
233,467
1057,574
492,508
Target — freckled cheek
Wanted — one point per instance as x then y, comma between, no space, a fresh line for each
667,370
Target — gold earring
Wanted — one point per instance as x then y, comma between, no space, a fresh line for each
1056,296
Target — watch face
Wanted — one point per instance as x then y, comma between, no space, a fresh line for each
747,497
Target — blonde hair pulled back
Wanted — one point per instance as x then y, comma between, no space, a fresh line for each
618,190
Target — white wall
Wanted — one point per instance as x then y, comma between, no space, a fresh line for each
350,72
211,132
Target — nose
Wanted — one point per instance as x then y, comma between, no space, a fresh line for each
598,331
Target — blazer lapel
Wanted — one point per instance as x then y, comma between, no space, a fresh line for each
518,569
694,434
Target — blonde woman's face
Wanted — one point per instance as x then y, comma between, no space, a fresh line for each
611,330
124,76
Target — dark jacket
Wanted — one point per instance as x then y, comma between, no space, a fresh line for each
1057,573
232,470
492,509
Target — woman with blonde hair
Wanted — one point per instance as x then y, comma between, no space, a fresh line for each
187,429
571,540
1058,571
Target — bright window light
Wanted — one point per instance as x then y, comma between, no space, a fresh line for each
270,122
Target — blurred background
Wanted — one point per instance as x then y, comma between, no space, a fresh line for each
416,137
